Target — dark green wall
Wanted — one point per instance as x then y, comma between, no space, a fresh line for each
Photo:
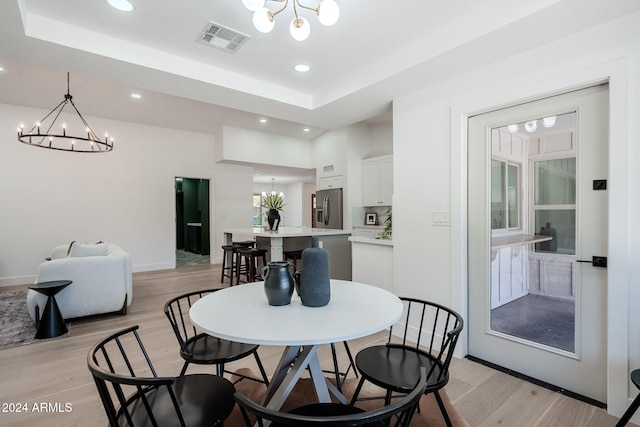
195,208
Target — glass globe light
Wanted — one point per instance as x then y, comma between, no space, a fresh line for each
549,121
253,5
263,20
123,5
513,128
300,28
328,12
531,125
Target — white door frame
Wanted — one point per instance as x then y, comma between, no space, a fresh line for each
616,73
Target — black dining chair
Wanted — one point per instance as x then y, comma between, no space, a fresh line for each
398,414
395,366
340,376
133,394
203,349
626,417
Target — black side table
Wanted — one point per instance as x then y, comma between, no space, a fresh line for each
51,323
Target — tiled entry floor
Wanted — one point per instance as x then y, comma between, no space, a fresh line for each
187,259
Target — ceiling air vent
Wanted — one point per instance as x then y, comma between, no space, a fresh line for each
222,37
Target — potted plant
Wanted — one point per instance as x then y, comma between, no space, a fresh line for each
274,203
386,233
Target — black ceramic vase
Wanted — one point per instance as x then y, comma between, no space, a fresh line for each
313,282
274,219
278,282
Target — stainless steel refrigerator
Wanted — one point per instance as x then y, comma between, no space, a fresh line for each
329,208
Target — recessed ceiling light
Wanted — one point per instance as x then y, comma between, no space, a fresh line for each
1,68
302,68
136,95
306,130
263,120
123,5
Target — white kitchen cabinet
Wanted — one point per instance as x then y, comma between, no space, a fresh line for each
377,181
330,182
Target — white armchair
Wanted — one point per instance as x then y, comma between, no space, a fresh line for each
101,276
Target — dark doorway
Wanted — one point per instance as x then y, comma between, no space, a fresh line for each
192,221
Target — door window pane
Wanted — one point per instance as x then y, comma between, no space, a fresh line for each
498,219
561,226
505,195
555,182
532,285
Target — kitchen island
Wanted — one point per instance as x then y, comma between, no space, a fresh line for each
335,242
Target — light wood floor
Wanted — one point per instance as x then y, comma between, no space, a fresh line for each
55,372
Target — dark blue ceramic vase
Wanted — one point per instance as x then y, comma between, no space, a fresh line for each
313,283
273,218
278,282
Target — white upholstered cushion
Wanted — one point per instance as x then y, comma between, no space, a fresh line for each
80,249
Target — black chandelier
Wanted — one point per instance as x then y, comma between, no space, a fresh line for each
88,143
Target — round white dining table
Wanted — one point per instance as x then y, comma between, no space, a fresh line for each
241,313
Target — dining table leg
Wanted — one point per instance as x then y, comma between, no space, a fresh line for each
293,362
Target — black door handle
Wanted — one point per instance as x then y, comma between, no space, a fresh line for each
596,261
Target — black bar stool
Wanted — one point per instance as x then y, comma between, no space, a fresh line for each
293,256
231,271
635,379
250,269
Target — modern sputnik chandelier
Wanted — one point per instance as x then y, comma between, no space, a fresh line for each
273,190
264,18
44,135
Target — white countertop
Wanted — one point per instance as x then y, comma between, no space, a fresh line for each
288,232
371,240
520,239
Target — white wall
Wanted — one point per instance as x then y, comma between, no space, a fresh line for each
430,172
126,196
244,145
330,149
381,140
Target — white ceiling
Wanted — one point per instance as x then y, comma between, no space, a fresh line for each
378,51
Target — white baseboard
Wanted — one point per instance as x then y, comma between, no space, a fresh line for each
153,267
21,280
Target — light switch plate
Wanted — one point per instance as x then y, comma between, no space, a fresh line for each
441,218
